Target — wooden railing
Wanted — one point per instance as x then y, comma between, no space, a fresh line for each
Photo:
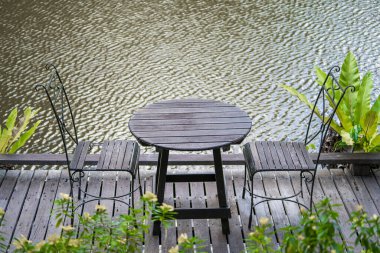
185,159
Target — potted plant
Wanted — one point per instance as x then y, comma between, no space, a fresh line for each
358,120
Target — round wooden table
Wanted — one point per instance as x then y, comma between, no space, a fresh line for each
191,125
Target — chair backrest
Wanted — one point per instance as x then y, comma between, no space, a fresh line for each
325,106
61,107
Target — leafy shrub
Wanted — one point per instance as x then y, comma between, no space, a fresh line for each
100,233
2,246
317,232
368,230
13,136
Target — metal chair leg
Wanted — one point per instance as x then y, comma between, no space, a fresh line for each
79,187
132,193
72,214
72,202
311,191
251,211
245,181
139,178
301,184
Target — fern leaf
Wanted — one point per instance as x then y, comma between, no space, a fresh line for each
11,120
363,101
23,138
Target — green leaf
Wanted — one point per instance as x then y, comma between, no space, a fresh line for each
24,137
4,140
311,147
376,106
344,119
346,138
363,101
303,98
375,144
342,111
370,124
349,75
350,72
355,133
22,124
59,222
11,119
321,77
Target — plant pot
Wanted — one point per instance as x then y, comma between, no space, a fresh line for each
6,167
360,169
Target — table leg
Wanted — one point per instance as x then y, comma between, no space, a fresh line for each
220,186
161,181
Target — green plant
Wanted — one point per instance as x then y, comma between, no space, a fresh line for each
13,136
2,246
367,230
260,240
317,232
100,233
186,244
358,120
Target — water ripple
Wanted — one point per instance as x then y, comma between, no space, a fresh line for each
116,57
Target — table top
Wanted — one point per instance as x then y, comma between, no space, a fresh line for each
190,124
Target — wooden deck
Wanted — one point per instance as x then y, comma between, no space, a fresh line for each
27,197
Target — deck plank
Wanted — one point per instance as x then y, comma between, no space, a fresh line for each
361,192
201,229
286,188
15,205
318,195
373,188
2,175
244,205
218,239
28,200
183,201
93,187
108,190
332,192
277,208
123,184
7,187
235,238
63,187
152,243
31,203
168,236
263,209
42,218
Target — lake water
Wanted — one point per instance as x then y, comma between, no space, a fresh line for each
117,56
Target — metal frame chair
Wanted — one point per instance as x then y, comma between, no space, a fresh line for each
119,155
267,156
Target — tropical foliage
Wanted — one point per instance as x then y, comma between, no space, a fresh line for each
14,134
358,119
318,232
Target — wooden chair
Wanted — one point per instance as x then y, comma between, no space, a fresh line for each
116,155
270,156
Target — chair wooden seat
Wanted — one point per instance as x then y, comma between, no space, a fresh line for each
116,155
277,156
